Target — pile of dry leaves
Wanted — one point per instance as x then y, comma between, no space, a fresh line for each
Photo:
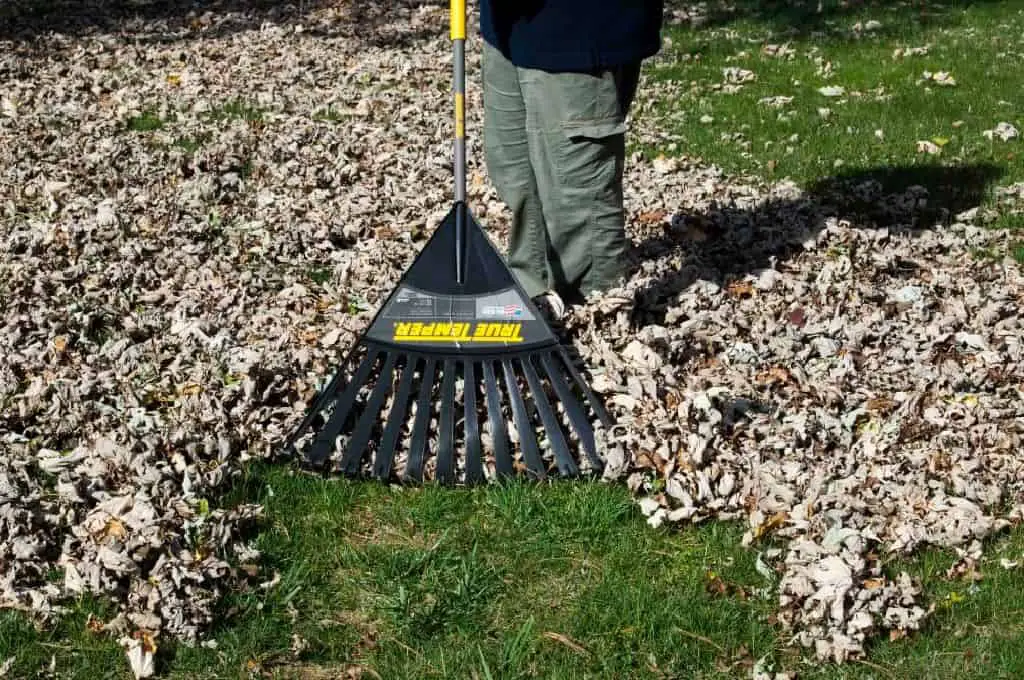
198,212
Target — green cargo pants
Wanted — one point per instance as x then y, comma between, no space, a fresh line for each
554,144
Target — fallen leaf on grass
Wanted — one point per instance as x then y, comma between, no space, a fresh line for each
942,78
900,52
776,102
299,645
140,649
738,76
965,568
1004,132
702,638
778,51
94,625
718,587
568,642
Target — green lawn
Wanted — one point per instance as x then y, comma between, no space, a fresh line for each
559,581
783,91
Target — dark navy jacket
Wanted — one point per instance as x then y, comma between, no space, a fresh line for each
572,35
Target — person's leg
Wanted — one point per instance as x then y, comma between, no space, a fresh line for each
576,127
507,154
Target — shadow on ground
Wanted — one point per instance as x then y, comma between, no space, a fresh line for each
727,243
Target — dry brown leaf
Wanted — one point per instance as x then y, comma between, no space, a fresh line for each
741,289
880,404
190,389
775,374
568,642
115,529
771,524
652,217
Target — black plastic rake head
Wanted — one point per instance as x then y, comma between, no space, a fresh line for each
458,378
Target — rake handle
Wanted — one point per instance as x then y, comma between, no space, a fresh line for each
458,36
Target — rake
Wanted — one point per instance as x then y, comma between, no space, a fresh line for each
459,374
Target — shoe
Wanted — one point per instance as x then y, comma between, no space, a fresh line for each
551,305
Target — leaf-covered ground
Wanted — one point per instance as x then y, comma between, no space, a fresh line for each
199,210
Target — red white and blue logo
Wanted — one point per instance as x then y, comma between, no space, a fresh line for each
504,311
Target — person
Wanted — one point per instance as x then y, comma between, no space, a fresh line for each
559,77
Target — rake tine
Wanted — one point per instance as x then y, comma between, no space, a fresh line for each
414,466
573,408
317,406
531,452
594,402
474,466
446,438
353,452
386,450
502,456
563,458
325,439
321,400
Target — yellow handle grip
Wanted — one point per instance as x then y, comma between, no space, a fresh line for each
458,19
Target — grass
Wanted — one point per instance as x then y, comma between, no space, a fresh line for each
192,144
237,109
745,91
320,275
330,114
147,121
565,581
559,581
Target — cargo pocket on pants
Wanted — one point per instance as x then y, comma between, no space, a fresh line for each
595,130
589,157
592,130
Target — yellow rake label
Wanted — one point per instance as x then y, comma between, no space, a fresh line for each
440,331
